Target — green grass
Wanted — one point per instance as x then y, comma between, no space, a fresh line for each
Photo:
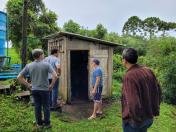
17,116
6,82
15,56
166,122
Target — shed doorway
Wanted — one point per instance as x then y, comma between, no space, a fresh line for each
79,74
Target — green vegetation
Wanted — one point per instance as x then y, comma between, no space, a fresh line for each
156,53
15,56
18,116
5,82
147,28
41,22
160,56
156,49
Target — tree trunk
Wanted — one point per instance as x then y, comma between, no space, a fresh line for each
24,33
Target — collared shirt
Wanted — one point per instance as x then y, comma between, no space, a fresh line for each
38,72
97,72
141,95
53,61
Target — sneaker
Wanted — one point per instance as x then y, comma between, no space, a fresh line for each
39,126
47,126
58,108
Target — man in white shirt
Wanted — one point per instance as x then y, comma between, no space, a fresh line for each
54,61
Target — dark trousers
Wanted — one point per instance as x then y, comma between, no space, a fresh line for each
41,100
137,128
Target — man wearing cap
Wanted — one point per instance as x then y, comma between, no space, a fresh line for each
97,87
38,72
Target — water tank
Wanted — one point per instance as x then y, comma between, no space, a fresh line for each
3,31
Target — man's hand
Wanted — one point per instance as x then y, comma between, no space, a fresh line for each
93,91
54,78
29,86
50,87
23,81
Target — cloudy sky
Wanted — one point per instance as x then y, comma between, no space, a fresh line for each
111,13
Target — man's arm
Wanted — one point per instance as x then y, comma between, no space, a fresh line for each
96,85
58,67
98,74
54,78
131,96
22,80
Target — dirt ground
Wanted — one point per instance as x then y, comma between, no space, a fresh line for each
79,110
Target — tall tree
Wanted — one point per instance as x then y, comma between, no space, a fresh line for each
101,31
24,32
71,26
147,28
40,22
14,10
133,26
151,26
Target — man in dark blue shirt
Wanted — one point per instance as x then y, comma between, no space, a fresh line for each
97,86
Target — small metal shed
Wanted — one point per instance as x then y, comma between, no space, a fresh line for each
76,52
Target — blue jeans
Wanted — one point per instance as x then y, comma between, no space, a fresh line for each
137,128
41,100
54,94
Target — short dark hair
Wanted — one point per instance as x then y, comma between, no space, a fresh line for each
130,55
36,53
53,51
96,61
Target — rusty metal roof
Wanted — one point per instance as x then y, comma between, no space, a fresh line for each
81,37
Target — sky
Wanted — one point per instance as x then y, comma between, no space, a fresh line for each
111,13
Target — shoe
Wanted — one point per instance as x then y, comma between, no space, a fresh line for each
47,126
58,108
35,123
39,126
52,108
99,113
91,117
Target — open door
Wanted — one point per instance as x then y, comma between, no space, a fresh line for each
102,56
79,75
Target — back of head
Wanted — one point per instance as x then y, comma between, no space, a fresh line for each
54,51
130,55
36,53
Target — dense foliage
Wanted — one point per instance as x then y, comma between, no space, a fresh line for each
41,22
148,28
159,54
